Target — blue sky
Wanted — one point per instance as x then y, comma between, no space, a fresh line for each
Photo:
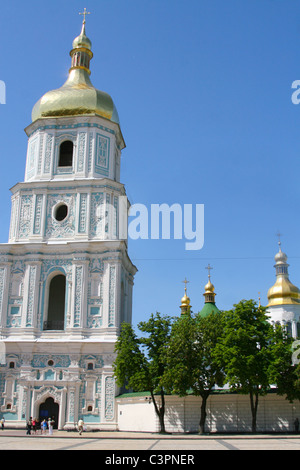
203,91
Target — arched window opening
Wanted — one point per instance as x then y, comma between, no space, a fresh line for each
56,304
122,302
289,328
298,329
66,153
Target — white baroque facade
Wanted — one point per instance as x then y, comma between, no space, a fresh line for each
65,276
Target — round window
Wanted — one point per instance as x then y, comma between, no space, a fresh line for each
61,212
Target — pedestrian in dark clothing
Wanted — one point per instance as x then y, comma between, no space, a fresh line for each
29,426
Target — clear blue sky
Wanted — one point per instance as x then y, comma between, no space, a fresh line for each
203,91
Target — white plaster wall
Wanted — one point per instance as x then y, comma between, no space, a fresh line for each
136,415
225,413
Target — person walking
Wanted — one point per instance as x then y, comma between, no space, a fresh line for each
50,426
38,425
34,426
29,426
44,426
80,426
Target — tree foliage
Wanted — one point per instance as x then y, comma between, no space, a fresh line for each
140,362
194,354
282,369
192,363
246,353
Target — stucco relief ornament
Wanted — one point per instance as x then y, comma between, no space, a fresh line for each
18,267
74,358
50,392
28,376
66,227
26,359
108,359
96,266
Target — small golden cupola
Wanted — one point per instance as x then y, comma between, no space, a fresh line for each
209,297
185,301
209,294
283,292
77,96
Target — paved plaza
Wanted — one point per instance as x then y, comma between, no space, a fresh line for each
151,442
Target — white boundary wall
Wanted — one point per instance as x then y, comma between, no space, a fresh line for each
225,413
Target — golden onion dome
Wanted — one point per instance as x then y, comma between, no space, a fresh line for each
209,298
283,292
209,288
209,293
77,96
185,301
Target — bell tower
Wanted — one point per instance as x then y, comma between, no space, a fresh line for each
284,297
65,275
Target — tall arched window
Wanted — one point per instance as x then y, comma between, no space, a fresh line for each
56,303
66,153
122,302
288,326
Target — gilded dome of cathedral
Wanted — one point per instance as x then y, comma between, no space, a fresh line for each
77,96
283,292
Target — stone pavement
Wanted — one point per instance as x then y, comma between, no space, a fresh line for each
146,435
113,441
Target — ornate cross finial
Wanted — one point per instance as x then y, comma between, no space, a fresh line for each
84,13
209,268
185,283
279,235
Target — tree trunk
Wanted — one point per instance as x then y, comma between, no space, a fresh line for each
203,414
254,405
160,411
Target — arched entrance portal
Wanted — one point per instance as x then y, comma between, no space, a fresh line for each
49,409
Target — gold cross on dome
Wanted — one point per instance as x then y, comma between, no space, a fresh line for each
279,235
185,283
84,13
209,268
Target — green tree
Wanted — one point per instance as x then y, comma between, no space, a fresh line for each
284,369
192,363
141,362
246,353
